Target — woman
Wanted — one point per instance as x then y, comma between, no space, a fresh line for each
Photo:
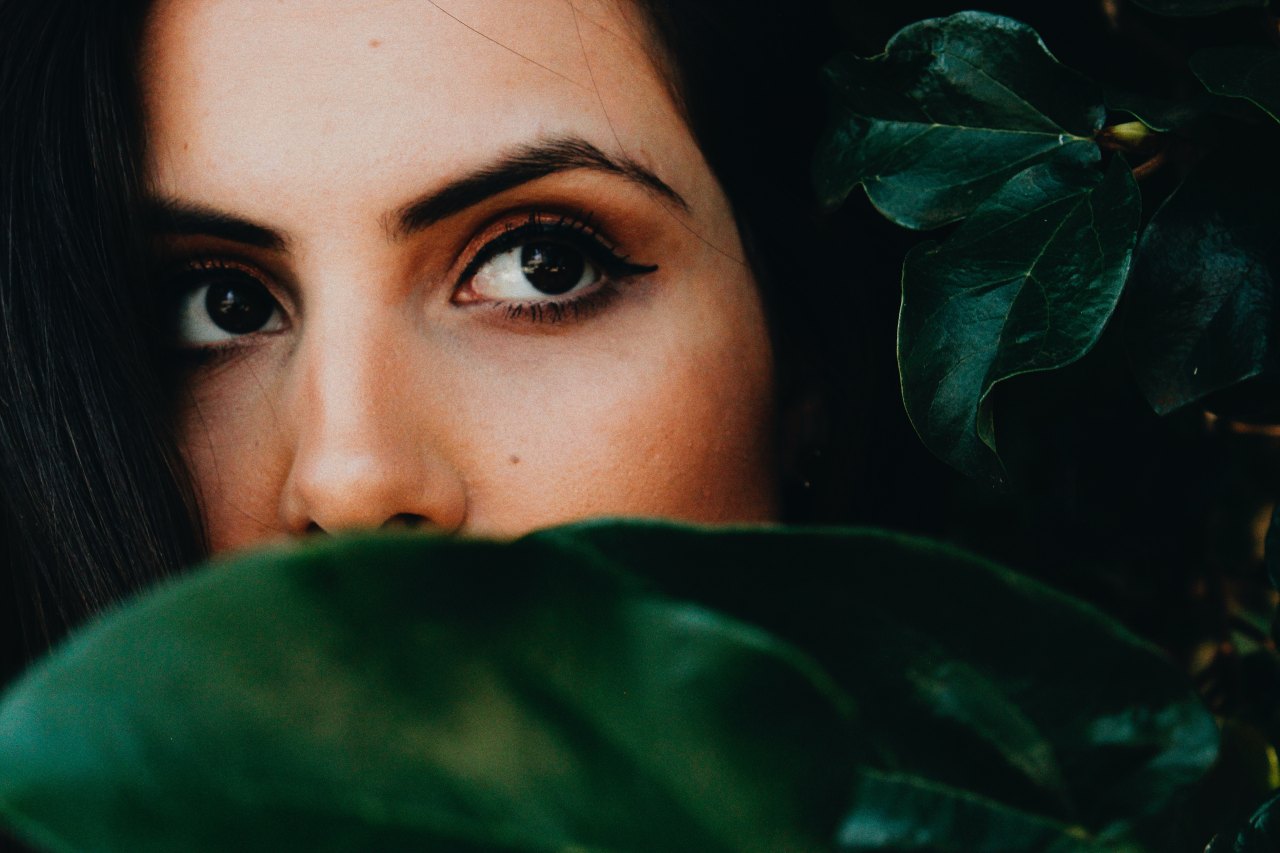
478,267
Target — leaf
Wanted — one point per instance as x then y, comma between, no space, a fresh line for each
1251,73
937,649
1202,308
424,693
954,108
1196,8
1271,550
902,813
1159,114
1026,284
1260,835
408,693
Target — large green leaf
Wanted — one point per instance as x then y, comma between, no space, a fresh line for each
1195,8
965,674
1202,312
1251,73
953,108
427,695
423,693
1026,284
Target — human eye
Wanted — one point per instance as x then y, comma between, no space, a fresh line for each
217,302
547,267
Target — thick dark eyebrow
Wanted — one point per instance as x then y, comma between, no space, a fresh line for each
170,217
521,166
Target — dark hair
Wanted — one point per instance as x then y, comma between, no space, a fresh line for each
94,500
751,90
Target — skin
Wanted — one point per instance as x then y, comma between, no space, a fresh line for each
387,388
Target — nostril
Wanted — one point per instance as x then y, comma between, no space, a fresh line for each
404,519
314,529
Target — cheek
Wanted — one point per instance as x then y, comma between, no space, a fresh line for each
663,407
229,433
678,423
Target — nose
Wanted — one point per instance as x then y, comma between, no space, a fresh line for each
366,441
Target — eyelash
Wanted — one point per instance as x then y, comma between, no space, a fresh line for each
580,234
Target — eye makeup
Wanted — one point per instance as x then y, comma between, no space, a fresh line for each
575,246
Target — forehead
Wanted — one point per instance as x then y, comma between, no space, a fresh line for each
258,92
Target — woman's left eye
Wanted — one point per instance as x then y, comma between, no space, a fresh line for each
535,270
545,262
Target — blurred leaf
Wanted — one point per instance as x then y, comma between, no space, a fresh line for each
962,671
1260,835
953,108
1025,284
901,813
538,695
1196,8
1201,314
1252,73
1271,550
419,694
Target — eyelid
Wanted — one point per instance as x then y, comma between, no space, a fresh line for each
184,276
181,273
577,231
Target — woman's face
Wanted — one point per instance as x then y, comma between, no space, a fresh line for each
455,263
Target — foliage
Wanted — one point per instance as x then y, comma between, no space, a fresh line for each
606,686
1124,254
983,116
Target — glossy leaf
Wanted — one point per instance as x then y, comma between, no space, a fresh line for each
1203,310
954,108
1251,73
1195,8
416,694
1026,284
990,684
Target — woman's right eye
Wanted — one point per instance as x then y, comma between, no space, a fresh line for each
217,305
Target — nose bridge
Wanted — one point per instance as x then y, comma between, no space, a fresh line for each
361,453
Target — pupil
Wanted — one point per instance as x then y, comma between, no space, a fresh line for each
551,268
239,305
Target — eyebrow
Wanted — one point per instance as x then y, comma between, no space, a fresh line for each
521,166
182,218
173,217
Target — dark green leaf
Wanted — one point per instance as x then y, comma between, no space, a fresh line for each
908,815
1159,113
953,108
1196,8
966,684
419,693
1260,835
1026,284
428,695
1202,310
1251,73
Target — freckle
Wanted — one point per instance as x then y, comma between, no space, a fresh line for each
186,146
515,460
375,42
